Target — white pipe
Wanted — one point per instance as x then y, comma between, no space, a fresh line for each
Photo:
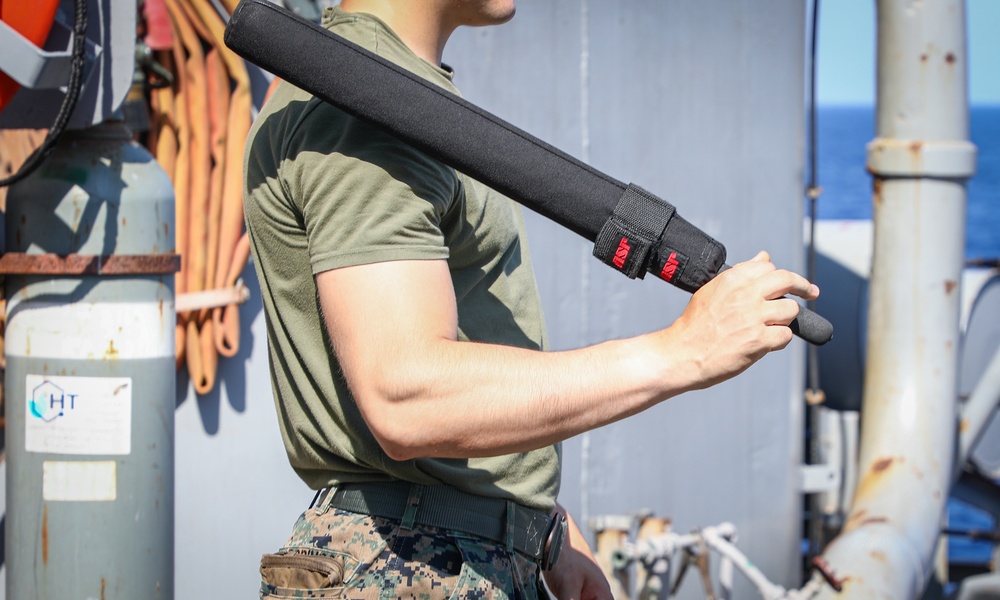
852,431
726,579
832,455
715,539
719,539
979,408
921,158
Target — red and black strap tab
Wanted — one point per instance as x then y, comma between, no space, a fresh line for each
670,265
628,239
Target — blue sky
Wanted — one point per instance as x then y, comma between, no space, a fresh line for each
846,72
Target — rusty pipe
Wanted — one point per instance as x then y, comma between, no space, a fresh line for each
921,159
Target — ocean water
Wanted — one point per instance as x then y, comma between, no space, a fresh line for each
842,133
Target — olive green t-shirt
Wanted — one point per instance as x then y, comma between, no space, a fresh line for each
324,191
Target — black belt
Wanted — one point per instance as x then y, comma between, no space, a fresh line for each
531,532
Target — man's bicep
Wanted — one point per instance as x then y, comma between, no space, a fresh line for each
383,316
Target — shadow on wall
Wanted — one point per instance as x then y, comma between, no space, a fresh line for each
232,371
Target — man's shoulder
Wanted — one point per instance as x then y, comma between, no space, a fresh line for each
289,107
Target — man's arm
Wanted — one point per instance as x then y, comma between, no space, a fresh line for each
394,327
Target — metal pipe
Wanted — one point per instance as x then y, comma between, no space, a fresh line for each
726,578
719,539
979,408
921,159
715,538
980,587
831,438
852,430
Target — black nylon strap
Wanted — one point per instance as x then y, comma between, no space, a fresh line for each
632,231
445,507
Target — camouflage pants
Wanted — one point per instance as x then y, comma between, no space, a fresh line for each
339,554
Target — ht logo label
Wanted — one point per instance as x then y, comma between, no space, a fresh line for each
49,402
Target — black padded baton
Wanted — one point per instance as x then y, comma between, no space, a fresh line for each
634,231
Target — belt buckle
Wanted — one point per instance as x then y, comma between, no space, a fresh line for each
553,541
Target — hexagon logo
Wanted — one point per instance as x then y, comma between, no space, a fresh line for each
48,402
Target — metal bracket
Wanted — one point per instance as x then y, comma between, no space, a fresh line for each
921,158
35,68
819,478
612,523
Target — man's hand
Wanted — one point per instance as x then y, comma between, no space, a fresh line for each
576,575
737,318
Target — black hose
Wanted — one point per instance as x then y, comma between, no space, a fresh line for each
73,89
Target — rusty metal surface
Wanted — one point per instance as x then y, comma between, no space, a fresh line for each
921,158
829,576
18,263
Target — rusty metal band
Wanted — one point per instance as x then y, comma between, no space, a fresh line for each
18,263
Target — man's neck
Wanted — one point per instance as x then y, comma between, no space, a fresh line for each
423,26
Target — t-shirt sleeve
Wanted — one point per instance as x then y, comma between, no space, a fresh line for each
365,196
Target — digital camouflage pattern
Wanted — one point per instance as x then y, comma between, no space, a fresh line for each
339,554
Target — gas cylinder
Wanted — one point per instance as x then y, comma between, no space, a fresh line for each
90,379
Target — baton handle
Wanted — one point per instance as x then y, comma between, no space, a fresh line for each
811,327
808,325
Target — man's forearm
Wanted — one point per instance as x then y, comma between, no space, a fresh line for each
447,398
423,393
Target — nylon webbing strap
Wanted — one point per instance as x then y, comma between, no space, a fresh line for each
444,507
632,231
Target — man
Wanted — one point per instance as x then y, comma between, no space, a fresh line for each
407,349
